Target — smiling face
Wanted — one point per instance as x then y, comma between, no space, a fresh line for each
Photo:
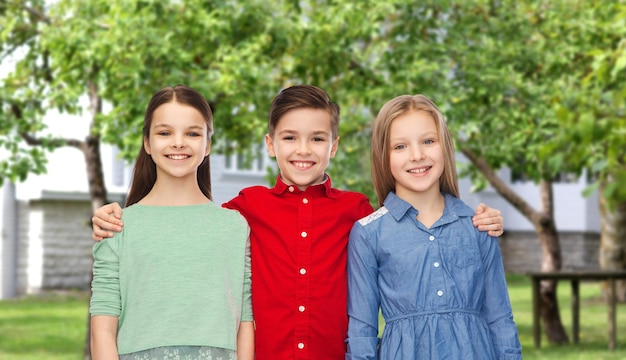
302,144
416,157
178,140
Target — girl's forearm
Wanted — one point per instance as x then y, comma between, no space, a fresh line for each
245,341
104,338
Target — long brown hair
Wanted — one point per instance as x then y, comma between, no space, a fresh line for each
384,183
144,172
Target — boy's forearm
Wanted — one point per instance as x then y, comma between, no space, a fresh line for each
245,341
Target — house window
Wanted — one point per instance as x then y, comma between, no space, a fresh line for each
255,162
119,168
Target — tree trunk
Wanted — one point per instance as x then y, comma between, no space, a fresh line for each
550,261
95,178
613,241
543,221
98,193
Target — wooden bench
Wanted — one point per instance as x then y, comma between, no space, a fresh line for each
575,276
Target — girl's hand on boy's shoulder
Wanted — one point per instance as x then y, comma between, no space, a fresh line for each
488,219
106,220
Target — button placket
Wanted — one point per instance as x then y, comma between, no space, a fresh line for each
304,226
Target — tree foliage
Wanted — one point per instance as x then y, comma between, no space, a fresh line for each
118,53
592,113
505,72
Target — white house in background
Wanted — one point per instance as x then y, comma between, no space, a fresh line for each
46,221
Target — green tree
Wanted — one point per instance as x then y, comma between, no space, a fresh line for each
592,115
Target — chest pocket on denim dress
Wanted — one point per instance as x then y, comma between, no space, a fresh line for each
462,260
461,252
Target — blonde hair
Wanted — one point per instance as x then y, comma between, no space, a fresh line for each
384,183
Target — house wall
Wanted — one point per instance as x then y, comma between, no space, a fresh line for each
8,241
572,211
521,251
226,184
54,250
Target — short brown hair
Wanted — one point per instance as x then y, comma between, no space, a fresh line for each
384,183
303,97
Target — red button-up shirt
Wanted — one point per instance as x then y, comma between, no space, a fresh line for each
298,254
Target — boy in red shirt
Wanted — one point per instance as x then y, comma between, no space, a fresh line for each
299,232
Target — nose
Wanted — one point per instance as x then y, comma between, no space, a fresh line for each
416,154
304,147
178,141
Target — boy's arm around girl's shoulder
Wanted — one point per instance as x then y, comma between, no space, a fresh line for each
361,202
366,207
246,199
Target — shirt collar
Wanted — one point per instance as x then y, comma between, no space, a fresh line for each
324,188
454,208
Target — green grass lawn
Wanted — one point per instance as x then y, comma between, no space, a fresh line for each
52,327
594,339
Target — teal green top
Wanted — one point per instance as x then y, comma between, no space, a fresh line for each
175,276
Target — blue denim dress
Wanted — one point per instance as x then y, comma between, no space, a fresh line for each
442,290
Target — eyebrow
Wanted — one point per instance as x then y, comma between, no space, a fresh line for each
288,131
169,126
424,135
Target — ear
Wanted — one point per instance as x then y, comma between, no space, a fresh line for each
146,145
269,144
333,149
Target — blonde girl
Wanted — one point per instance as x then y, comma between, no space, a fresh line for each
439,282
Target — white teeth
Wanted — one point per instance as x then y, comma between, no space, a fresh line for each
301,165
418,171
177,157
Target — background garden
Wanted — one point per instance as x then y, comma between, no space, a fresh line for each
537,87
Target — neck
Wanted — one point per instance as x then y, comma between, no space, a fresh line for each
304,187
422,200
430,205
175,192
